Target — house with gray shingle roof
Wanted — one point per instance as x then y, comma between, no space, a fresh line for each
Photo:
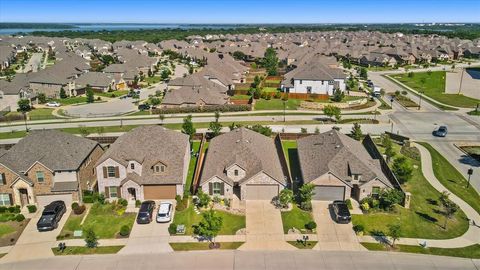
48,165
147,163
243,164
339,167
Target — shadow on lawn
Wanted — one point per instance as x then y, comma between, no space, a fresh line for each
427,217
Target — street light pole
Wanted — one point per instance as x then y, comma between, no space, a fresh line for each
284,104
469,172
25,118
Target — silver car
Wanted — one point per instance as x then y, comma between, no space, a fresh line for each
165,212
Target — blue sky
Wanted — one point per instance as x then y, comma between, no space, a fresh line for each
235,11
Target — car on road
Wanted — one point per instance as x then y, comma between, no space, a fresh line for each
143,107
145,213
440,131
53,104
51,216
341,212
165,211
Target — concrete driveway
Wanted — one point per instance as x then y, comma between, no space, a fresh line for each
33,244
264,227
148,238
331,235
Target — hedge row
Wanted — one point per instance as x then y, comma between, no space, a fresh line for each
216,108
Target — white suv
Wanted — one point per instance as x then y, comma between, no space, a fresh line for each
165,212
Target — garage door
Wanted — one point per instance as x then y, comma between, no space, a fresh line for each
329,193
43,200
159,192
261,192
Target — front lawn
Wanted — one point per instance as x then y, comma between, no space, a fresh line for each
5,229
464,252
72,224
240,97
71,100
301,245
87,251
452,179
112,94
106,220
276,104
153,80
433,85
41,114
423,219
231,223
270,89
203,246
295,218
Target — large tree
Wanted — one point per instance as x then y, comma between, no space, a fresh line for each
270,61
90,97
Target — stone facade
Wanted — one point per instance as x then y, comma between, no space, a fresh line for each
9,179
41,188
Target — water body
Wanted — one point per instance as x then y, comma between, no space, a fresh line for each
113,26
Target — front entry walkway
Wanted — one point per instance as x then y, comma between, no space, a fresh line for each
331,235
264,227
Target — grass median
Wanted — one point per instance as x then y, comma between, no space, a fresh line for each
87,251
472,251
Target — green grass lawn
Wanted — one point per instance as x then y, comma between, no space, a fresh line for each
40,114
112,94
291,154
153,80
452,179
464,252
6,229
276,104
87,251
240,97
269,89
72,224
71,100
434,87
231,223
191,166
203,246
296,218
106,220
300,245
422,220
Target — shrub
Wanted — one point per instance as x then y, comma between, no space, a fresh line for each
101,198
182,204
75,206
124,230
138,203
358,228
349,204
203,199
277,95
216,199
374,203
79,209
306,206
285,197
19,218
32,208
172,228
178,198
311,225
122,202
3,209
91,238
388,198
365,206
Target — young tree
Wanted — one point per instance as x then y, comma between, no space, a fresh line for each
356,132
209,227
165,74
449,207
62,93
338,95
270,61
187,127
91,238
24,105
305,196
264,130
363,73
256,82
403,169
331,111
84,132
394,231
150,73
238,55
303,130
90,97
317,130
389,151
215,126
41,98
285,197
100,130
161,117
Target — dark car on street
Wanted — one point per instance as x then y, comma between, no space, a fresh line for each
51,216
341,212
145,213
144,107
441,131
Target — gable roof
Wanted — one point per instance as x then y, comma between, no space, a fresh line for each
248,149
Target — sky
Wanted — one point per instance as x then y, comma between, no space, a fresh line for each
236,11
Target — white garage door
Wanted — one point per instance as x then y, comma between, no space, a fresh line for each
43,200
329,193
261,192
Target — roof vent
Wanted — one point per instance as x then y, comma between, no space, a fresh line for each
337,146
237,141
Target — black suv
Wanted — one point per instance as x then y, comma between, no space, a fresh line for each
146,212
341,212
144,107
51,215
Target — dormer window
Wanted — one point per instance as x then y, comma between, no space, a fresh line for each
235,172
132,166
159,168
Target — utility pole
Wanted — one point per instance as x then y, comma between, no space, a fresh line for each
420,101
461,81
25,118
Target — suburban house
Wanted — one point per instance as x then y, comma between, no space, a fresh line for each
7,56
98,81
378,59
243,164
48,165
147,163
18,88
339,167
314,77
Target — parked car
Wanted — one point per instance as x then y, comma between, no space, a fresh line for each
165,211
146,212
341,212
51,215
441,131
143,107
53,104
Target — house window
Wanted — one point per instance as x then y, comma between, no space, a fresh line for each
3,181
132,166
159,168
375,191
5,199
113,191
217,186
309,89
111,171
235,172
301,81
40,176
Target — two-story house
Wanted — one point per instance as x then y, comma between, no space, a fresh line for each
147,163
48,165
245,164
339,167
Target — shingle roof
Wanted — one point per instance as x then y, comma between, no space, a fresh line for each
248,149
150,145
339,154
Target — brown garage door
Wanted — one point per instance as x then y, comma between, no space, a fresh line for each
261,192
159,192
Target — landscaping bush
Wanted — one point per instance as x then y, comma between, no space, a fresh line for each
311,225
203,199
216,199
182,204
365,206
358,228
100,198
20,218
14,209
79,209
124,230
388,198
218,108
411,152
32,208
3,209
75,206
349,204
91,238
122,202
306,206
172,228
138,203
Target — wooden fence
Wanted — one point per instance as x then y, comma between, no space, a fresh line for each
198,165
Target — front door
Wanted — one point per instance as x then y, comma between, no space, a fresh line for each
132,194
23,196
